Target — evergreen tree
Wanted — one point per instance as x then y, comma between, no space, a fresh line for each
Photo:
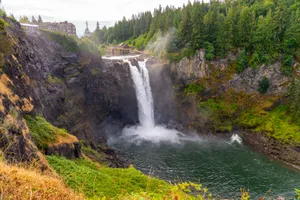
24,19
245,27
185,27
40,19
33,20
97,26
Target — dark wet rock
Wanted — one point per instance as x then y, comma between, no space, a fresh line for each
68,150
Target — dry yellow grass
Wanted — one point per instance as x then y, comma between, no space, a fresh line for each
2,109
20,183
5,83
67,138
27,105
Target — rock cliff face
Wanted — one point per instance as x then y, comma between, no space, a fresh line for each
74,90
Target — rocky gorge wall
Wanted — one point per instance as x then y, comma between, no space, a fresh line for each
78,91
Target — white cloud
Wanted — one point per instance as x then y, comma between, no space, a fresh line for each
81,10
110,10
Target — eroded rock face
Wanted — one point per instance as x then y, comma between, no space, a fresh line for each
248,81
188,70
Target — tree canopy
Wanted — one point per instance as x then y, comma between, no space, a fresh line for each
260,29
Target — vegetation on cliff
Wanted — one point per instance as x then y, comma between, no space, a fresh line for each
45,134
261,29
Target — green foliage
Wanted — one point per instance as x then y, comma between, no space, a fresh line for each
5,44
264,85
259,27
193,88
67,42
280,126
293,100
93,154
242,62
86,45
43,133
209,51
86,177
102,48
287,67
297,193
2,13
140,42
24,19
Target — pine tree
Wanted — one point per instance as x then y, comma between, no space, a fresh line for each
40,19
97,26
185,27
33,20
244,27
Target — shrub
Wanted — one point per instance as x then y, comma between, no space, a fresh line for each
287,67
264,85
2,13
297,193
193,88
293,100
209,48
242,62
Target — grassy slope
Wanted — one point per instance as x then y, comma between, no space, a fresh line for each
45,134
92,180
20,183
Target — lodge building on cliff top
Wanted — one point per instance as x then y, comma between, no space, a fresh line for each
62,27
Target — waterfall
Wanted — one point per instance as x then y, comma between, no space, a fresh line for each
143,91
147,130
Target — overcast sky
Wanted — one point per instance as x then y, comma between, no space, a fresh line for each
77,11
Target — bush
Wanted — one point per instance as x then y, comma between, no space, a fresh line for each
209,48
297,193
287,67
2,13
193,88
242,62
294,99
264,85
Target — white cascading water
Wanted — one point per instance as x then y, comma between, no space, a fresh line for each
236,138
143,94
147,130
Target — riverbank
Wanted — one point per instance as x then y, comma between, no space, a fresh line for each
285,153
